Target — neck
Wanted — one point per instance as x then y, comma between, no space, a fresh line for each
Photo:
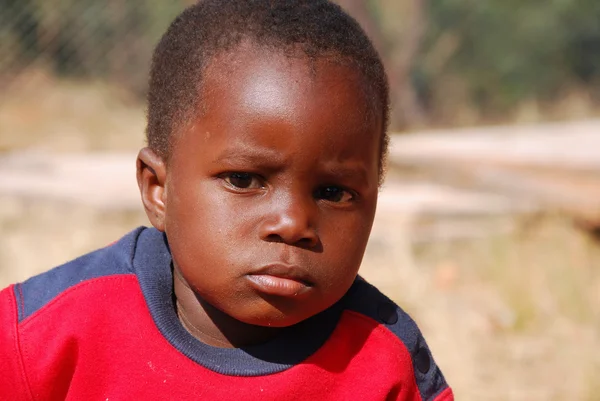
210,325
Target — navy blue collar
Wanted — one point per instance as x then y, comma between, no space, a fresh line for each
152,265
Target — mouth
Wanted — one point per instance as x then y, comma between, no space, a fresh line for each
280,280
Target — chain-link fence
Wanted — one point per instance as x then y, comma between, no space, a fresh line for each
449,62
109,39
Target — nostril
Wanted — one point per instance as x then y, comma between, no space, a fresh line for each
273,238
307,238
313,244
307,242
304,241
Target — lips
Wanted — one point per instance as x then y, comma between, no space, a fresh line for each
281,280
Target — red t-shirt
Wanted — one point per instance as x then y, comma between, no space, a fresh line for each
104,327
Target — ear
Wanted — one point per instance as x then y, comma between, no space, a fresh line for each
151,178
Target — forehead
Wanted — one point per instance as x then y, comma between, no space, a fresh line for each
263,80
312,113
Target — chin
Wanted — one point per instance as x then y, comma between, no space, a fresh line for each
275,319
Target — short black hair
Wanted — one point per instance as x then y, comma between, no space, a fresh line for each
320,28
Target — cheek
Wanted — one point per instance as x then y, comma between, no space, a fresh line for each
345,240
208,223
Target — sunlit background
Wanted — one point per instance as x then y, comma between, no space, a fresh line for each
488,230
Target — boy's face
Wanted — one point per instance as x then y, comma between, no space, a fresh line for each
270,195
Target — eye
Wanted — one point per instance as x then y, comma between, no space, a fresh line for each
242,180
334,194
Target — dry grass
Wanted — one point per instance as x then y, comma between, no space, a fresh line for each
510,317
68,116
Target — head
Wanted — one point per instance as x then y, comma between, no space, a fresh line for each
266,146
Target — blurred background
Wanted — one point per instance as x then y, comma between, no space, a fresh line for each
488,227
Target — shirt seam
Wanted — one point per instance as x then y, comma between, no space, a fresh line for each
20,302
25,322
396,339
17,339
446,394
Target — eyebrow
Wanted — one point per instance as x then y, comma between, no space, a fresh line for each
249,154
343,172
268,158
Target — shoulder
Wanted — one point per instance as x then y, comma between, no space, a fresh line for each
368,302
35,293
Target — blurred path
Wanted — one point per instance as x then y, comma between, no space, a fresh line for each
570,145
459,173
554,165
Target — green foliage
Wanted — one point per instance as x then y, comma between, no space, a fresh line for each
510,50
86,37
485,56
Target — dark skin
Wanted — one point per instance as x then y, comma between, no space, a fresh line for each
269,194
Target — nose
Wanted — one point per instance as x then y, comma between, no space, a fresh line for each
291,219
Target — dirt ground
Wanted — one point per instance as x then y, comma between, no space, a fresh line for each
512,315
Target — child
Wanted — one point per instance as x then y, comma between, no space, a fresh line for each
266,145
